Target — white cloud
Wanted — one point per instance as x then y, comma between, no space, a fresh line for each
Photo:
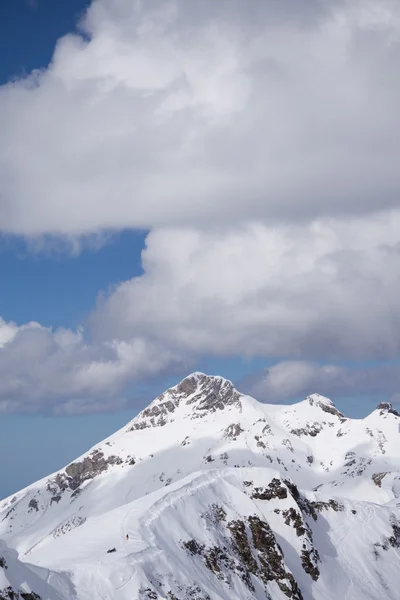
260,147
294,379
7,332
171,113
326,291
56,371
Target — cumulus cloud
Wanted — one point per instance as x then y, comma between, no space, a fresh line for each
289,380
57,372
326,291
171,113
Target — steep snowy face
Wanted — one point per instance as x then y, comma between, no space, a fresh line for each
20,581
223,498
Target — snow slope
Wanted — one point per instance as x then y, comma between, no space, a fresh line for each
223,498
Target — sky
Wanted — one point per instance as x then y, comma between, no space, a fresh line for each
193,186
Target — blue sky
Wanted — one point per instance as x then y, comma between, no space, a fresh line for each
170,202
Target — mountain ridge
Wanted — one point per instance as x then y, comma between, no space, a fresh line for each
289,480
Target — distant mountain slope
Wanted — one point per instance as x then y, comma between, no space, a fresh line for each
222,498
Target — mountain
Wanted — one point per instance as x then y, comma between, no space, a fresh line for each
223,498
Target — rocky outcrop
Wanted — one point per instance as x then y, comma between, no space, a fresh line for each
250,552
275,489
311,429
80,471
233,431
377,478
9,594
204,394
387,408
326,405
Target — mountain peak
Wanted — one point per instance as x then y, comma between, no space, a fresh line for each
387,407
324,403
195,396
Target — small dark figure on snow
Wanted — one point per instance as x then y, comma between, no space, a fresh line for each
127,537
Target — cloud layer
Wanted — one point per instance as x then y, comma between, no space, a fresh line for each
294,379
326,292
57,372
180,113
261,150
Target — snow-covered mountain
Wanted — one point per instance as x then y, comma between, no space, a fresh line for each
223,498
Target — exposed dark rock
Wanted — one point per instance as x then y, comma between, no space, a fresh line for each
387,407
292,489
271,558
218,512
320,506
224,457
193,547
156,414
266,430
214,557
311,429
243,549
251,552
309,555
111,550
148,593
393,540
33,505
78,472
3,563
187,386
233,431
59,483
9,594
377,478
292,516
325,405
275,489
214,394
259,441
206,394
88,468
309,565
